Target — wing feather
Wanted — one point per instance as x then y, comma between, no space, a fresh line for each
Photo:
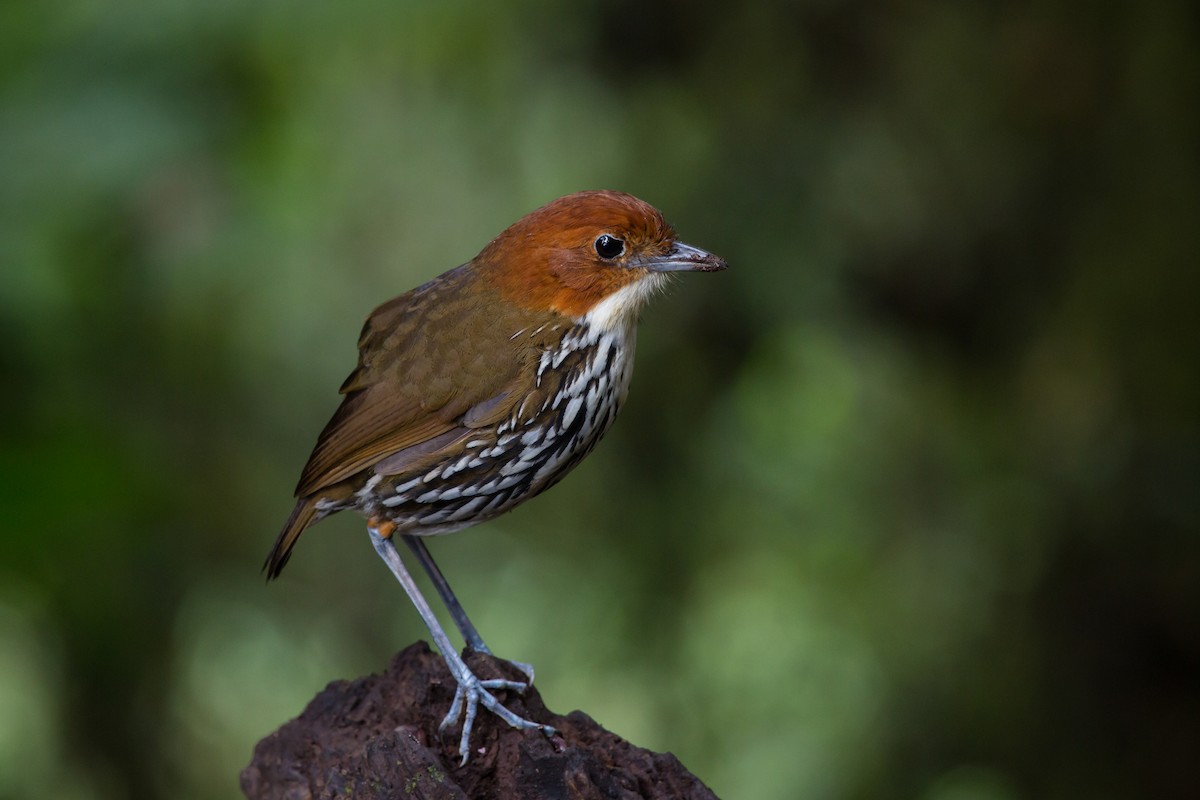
415,381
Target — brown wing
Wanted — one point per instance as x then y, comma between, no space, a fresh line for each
429,362
438,360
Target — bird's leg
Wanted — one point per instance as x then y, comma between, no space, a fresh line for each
471,690
469,633
472,637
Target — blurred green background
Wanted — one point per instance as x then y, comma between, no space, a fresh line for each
904,504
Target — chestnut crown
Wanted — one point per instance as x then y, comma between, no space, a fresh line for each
577,251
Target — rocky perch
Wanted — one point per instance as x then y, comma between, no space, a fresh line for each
376,737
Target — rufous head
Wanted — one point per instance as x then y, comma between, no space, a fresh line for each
575,253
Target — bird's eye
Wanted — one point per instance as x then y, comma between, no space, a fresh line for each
609,247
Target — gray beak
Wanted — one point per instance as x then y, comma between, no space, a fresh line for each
684,258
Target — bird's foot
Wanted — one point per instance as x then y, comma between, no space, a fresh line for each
525,669
473,692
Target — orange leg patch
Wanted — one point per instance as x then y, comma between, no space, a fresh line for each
384,527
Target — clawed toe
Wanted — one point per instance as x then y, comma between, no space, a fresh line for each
473,692
513,686
526,669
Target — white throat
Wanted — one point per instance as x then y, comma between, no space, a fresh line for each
620,309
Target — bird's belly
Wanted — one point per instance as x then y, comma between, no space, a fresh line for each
495,470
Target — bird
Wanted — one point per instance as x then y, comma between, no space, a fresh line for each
482,388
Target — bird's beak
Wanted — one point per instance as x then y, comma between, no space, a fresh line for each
683,258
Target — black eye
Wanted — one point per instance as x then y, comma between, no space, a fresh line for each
609,246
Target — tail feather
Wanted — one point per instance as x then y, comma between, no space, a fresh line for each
303,515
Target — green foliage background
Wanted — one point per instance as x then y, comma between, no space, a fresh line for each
904,504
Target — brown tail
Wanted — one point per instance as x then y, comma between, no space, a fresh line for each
302,516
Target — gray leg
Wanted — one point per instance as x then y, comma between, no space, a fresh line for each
469,633
471,690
